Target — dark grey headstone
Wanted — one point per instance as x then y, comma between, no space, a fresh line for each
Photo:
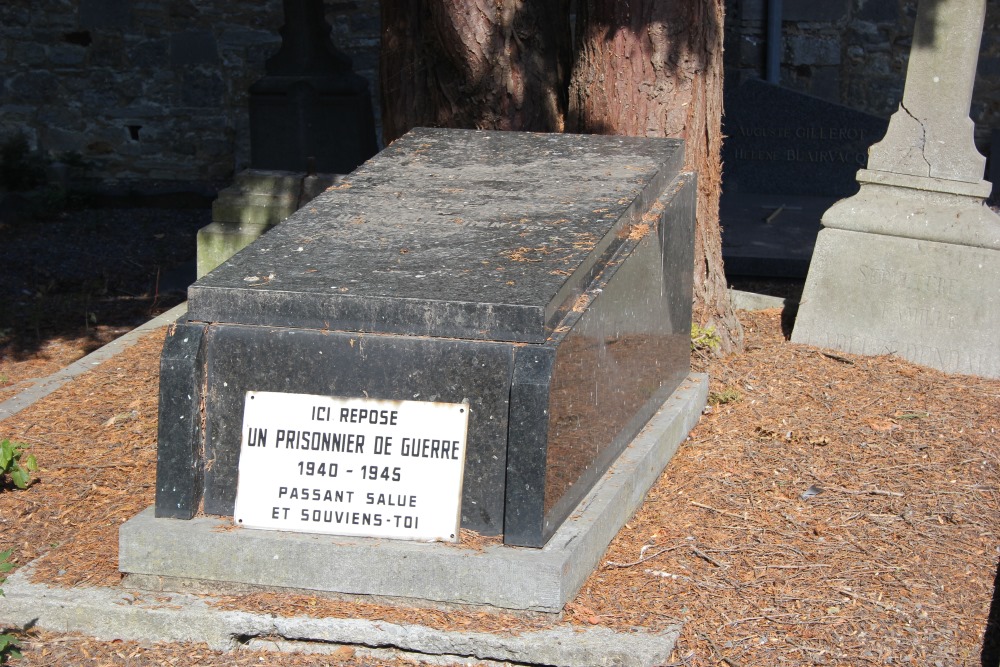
545,278
779,141
311,112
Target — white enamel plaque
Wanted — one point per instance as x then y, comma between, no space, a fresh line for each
351,466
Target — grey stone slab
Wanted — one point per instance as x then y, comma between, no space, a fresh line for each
110,614
164,550
935,304
464,234
898,206
752,301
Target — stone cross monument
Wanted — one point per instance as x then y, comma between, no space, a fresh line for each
911,264
311,112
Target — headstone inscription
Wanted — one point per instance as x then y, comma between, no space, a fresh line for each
787,157
541,282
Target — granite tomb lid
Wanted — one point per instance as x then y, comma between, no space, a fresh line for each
451,233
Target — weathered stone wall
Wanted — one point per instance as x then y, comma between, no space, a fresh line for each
150,90
852,51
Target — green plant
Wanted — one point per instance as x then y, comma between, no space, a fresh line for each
11,464
704,338
8,648
727,395
5,566
8,643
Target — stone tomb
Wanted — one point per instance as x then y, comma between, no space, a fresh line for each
542,281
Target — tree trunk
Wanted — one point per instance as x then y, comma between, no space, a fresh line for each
654,68
485,64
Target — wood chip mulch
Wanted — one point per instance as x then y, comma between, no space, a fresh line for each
829,509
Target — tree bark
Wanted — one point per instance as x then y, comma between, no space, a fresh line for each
484,64
654,68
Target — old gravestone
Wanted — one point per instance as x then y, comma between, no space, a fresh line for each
787,157
910,265
466,332
310,112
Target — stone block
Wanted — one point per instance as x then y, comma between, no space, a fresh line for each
35,87
202,89
107,50
935,304
29,53
824,83
67,55
811,50
148,52
252,209
219,241
12,16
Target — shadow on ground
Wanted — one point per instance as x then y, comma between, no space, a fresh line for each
84,270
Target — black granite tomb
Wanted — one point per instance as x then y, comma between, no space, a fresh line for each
545,279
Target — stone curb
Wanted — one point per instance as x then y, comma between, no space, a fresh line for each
47,385
108,614
753,301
